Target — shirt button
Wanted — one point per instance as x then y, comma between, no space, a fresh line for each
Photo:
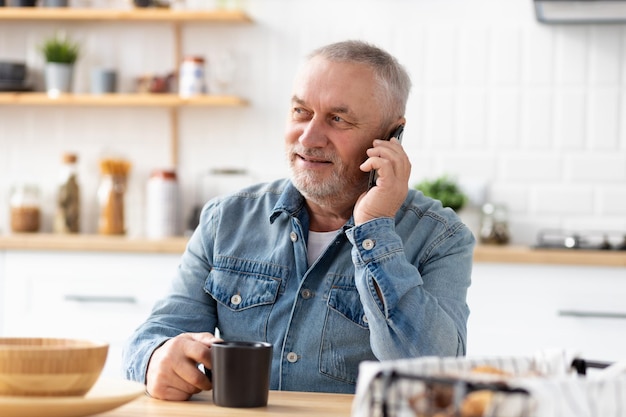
368,244
365,319
293,236
235,299
306,294
292,357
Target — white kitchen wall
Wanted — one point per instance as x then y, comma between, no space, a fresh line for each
536,113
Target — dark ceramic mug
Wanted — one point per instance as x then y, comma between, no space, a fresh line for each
240,373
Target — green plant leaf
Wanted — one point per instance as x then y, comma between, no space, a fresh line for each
444,189
60,49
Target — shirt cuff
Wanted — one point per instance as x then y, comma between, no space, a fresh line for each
374,239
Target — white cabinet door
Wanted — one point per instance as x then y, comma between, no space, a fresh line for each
519,309
83,295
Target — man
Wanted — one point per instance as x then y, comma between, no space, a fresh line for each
328,272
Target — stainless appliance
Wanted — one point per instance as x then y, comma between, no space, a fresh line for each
580,11
591,240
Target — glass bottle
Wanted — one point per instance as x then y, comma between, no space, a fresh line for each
111,194
25,208
162,215
67,215
191,77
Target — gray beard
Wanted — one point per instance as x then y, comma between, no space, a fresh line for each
341,188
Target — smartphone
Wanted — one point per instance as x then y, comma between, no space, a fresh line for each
397,133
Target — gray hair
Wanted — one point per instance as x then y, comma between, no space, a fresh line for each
393,79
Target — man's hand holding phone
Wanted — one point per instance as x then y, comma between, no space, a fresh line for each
389,184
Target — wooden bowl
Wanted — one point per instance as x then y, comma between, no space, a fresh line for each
50,367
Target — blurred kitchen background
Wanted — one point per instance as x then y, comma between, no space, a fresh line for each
522,113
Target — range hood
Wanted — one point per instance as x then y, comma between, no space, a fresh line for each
580,11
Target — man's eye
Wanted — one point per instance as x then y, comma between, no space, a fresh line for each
299,113
337,119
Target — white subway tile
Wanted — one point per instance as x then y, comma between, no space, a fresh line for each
526,228
440,119
571,54
603,119
470,164
594,166
570,120
473,55
563,199
506,56
612,201
605,54
538,115
471,127
529,167
504,119
515,197
539,56
440,58
595,222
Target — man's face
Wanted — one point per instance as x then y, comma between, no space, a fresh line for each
334,116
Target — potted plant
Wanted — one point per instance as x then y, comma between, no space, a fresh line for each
60,54
444,189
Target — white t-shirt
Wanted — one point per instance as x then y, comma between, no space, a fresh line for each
318,242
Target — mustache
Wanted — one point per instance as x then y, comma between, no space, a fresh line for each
312,153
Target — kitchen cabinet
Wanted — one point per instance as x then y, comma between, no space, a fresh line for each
522,308
82,295
131,16
521,300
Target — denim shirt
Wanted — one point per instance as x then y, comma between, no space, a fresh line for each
245,272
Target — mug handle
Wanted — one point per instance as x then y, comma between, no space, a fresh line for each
208,372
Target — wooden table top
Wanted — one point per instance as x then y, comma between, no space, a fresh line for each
280,403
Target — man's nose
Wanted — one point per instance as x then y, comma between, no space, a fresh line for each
313,135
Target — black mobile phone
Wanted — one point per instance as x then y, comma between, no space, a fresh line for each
397,133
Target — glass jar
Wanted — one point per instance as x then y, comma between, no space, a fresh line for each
25,208
111,200
494,228
67,216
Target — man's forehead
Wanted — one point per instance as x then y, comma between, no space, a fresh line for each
337,108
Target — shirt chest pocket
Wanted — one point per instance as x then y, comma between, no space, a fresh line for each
347,302
345,343
245,292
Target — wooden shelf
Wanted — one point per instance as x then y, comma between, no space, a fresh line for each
90,243
132,15
119,100
171,101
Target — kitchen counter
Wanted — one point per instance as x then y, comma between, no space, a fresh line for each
482,254
280,403
529,255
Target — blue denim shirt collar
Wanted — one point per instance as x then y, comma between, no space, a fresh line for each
292,203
